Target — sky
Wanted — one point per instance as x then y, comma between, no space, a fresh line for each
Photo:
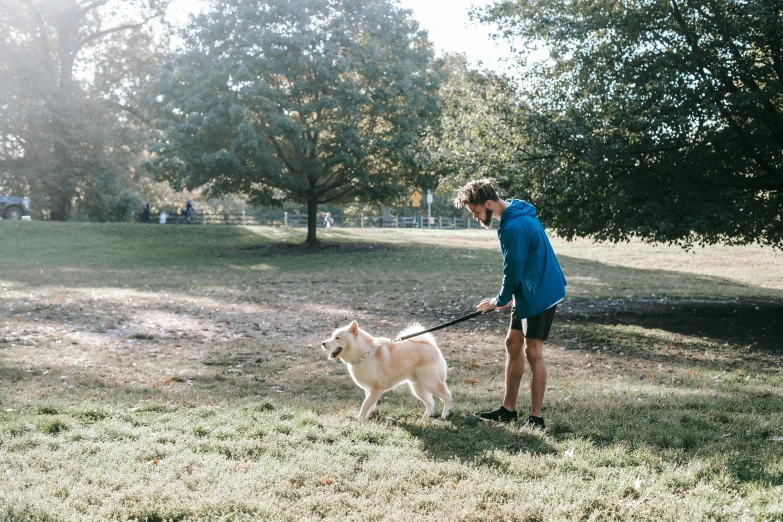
447,22
451,30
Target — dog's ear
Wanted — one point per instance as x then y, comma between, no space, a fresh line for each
353,328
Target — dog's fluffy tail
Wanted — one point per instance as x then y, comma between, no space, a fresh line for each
424,338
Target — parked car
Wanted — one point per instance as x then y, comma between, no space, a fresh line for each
14,208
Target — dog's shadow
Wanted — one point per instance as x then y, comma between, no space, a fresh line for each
468,439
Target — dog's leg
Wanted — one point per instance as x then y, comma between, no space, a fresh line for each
370,400
424,395
442,392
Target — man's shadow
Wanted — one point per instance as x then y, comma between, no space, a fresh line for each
470,440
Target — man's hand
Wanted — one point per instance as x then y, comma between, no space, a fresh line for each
487,305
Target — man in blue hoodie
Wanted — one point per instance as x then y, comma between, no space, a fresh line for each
532,278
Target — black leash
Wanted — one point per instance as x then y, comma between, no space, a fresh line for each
444,325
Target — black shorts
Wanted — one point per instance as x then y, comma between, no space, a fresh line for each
536,327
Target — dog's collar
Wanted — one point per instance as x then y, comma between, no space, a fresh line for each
368,352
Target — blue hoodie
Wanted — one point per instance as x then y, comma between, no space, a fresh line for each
531,274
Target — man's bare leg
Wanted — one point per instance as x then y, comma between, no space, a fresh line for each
534,351
515,367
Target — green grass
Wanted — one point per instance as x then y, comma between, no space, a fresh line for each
174,373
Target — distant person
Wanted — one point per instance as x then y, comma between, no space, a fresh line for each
189,212
328,220
533,278
145,214
163,217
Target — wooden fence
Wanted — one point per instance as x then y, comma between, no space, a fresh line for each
285,219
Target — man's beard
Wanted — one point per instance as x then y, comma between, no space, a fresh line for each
487,221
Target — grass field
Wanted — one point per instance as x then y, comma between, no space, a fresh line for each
175,373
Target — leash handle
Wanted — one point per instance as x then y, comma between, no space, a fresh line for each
444,325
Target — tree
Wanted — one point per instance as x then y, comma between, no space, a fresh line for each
659,119
70,73
313,101
480,131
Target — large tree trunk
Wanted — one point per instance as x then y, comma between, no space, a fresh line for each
62,195
312,219
60,210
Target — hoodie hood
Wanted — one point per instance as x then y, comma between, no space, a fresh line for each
516,209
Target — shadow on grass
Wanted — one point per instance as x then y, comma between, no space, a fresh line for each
732,431
747,323
726,432
471,440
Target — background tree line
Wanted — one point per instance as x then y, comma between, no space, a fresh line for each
654,119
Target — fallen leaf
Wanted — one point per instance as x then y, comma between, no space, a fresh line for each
472,381
154,462
168,381
475,364
327,480
336,325
189,468
244,466
652,376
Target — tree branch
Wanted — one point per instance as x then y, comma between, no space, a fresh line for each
131,110
46,52
340,181
748,74
720,99
281,155
338,196
86,8
100,34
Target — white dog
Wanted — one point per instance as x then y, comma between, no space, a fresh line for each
378,365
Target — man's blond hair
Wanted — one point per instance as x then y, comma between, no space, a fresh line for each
477,192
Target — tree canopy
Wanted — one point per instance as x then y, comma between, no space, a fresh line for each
657,119
72,72
313,101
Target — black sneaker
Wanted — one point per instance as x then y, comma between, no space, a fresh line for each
537,423
499,415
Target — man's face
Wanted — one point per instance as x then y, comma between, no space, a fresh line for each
482,214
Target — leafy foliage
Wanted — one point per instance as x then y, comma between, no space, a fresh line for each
657,119
481,132
70,76
309,101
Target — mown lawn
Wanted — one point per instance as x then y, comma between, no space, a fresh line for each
175,373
